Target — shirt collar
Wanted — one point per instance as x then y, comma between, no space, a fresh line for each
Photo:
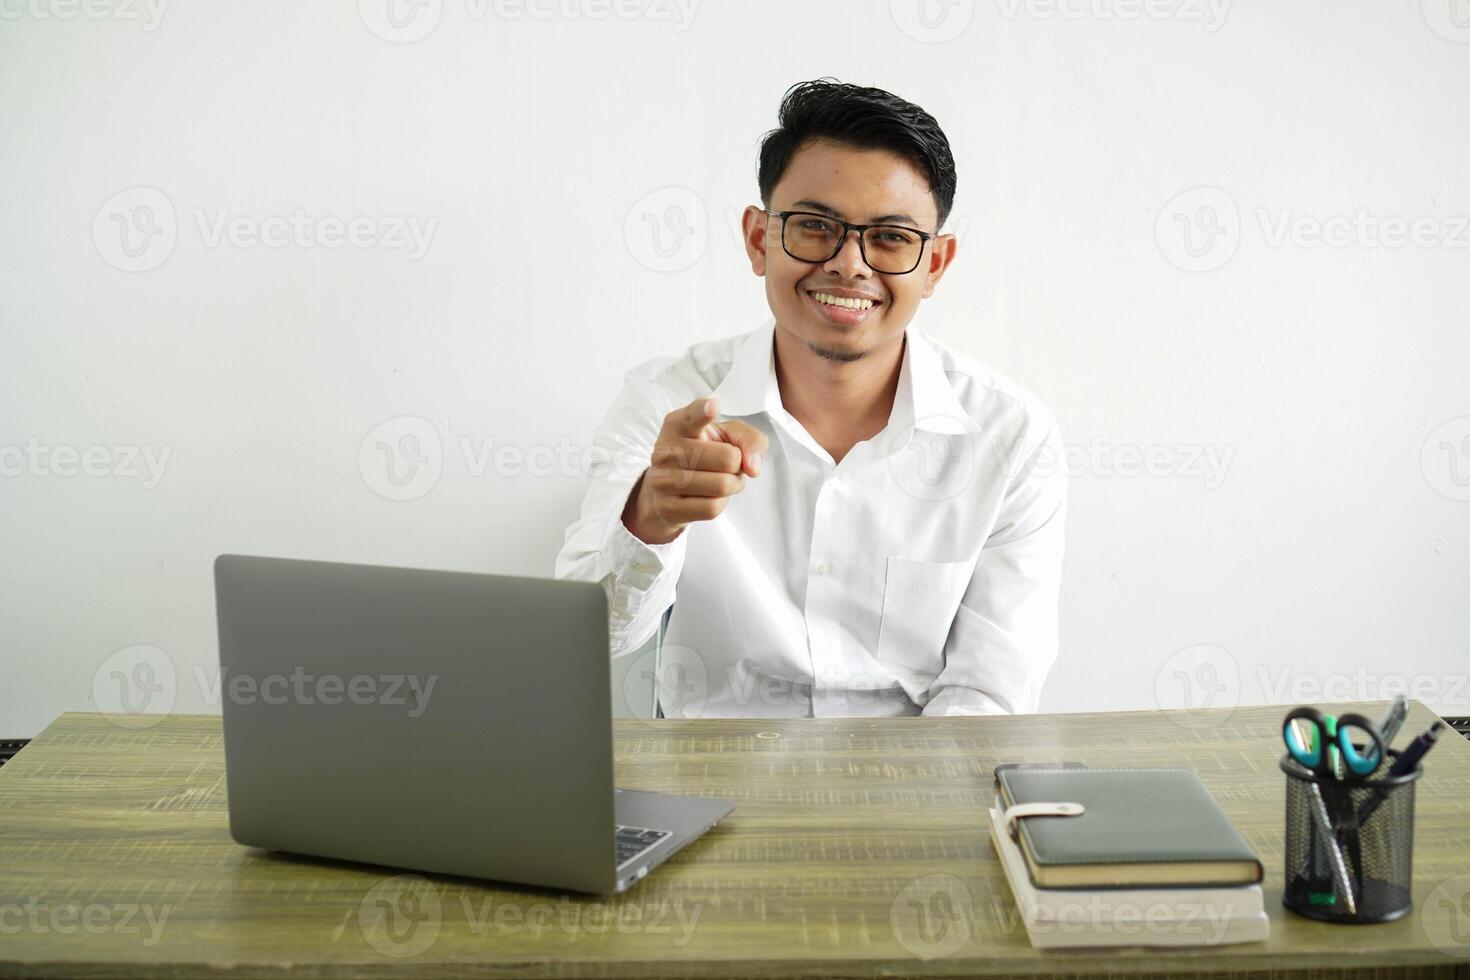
924,400
931,404
750,385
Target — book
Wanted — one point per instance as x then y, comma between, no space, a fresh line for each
1058,904
1140,827
1126,916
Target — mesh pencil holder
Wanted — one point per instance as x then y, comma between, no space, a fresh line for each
1368,875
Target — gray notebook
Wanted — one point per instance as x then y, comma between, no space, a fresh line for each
1155,827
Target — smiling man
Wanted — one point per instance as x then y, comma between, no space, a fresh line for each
840,515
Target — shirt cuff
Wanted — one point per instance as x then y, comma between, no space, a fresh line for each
952,701
633,561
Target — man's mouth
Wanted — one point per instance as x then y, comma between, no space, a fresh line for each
842,311
846,302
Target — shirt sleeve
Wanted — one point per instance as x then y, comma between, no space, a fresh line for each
639,578
1004,638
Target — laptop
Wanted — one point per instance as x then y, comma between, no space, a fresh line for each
435,721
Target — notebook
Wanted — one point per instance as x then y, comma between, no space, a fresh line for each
1128,916
1140,827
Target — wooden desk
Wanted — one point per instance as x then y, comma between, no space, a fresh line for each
827,867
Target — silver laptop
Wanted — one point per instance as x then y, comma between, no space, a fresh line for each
437,721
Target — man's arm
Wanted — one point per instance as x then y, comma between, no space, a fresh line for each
1004,638
639,578
630,538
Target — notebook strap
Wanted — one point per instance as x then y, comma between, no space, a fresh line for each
1038,810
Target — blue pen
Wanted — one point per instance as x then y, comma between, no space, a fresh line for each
1408,760
1406,763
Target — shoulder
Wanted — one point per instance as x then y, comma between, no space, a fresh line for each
698,371
991,399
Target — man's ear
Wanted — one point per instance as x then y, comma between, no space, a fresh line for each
753,228
941,254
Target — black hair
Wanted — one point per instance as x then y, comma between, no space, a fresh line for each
861,117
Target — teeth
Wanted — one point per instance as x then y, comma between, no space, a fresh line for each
850,303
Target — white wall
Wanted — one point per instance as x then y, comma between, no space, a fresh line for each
1333,548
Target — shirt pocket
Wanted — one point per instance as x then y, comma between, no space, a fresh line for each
920,599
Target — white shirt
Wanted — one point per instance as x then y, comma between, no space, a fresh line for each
919,574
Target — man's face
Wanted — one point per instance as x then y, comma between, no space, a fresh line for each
861,186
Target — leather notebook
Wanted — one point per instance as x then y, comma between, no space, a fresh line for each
1139,827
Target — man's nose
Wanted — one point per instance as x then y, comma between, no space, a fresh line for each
848,262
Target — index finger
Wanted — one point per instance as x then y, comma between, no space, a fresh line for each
690,420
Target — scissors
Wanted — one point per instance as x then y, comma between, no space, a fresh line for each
1331,744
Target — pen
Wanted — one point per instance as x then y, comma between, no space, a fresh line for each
1314,800
1393,719
1342,886
1407,762
1318,807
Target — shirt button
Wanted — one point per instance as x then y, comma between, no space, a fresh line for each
825,568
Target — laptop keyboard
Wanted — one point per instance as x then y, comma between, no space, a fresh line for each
633,841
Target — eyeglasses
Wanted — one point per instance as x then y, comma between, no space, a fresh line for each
893,250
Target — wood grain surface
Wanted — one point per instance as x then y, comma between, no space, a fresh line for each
857,848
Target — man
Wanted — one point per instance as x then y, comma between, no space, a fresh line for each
847,517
